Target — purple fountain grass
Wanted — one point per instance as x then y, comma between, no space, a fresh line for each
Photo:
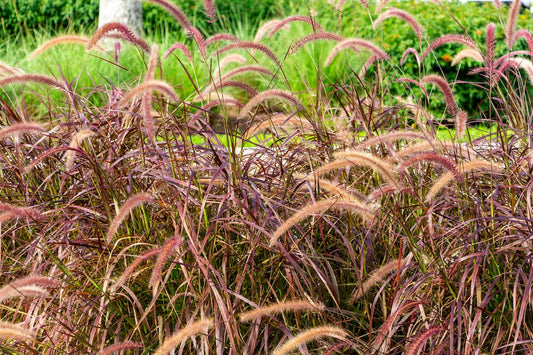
246,69
521,63
150,85
310,335
170,246
28,213
445,88
510,25
217,102
278,120
224,84
249,45
355,157
17,129
391,136
210,10
386,327
124,32
436,158
380,6
355,44
319,207
315,37
189,331
264,29
112,349
412,81
420,340
12,331
460,124
367,65
269,94
402,15
62,39
410,51
527,36
125,209
30,286
128,272
450,38
446,178
184,22
292,306
377,276
219,37
294,18
147,99
43,156
74,144
333,188
32,78
340,3
4,68
468,53
182,48
230,58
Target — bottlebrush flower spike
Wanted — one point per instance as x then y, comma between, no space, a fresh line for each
410,51
182,19
124,210
182,48
249,45
452,38
221,37
124,32
60,40
310,335
527,36
355,44
264,29
510,26
314,37
443,85
397,13
272,93
293,306
294,18
210,10
467,53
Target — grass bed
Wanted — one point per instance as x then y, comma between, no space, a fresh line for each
313,201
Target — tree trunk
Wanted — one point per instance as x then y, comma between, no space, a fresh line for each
128,12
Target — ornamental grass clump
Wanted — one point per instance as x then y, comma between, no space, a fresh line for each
349,177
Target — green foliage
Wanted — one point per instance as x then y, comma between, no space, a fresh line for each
58,15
